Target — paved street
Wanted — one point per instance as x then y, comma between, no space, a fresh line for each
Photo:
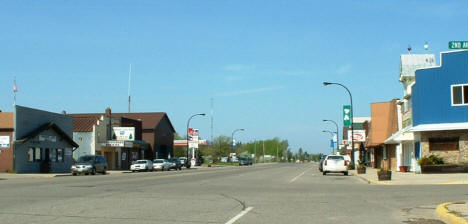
272,193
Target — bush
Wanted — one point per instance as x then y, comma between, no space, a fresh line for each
430,160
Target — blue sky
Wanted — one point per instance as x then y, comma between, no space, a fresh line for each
263,62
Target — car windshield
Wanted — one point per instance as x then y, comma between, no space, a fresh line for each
141,162
85,159
335,158
158,161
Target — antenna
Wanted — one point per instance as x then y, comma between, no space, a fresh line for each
212,120
426,46
129,79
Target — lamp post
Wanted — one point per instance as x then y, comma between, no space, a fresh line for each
188,125
352,116
337,132
333,135
232,137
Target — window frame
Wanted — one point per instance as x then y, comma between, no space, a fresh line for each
463,86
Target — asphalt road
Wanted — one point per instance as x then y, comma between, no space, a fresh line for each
273,193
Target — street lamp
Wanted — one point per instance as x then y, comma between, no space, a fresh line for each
188,125
352,116
232,137
333,135
337,132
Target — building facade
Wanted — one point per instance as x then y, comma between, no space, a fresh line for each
440,108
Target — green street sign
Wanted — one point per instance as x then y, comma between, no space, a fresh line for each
458,44
347,115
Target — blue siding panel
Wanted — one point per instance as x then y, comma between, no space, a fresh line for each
431,95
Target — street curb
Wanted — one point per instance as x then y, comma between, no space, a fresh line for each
455,182
448,217
372,181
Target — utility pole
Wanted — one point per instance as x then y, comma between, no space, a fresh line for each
211,120
129,79
263,151
276,152
255,150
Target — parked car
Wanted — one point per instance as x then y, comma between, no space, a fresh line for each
321,162
175,163
245,161
335,164
183,160
161,164
89,164
142,165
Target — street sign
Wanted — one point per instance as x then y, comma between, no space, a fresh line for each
347,115
458,44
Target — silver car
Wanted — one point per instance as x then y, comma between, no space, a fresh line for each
90,164
161,164
142,165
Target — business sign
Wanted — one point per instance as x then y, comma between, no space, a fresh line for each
4,141
359,136
47,138
193,144
458,44
193,138
347,115
124,133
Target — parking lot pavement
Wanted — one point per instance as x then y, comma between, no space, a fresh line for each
410,178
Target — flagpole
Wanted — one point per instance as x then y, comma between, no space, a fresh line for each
15,89
129,79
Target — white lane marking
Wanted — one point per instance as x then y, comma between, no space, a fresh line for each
297,177
238,216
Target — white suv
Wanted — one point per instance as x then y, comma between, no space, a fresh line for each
335,164
140,165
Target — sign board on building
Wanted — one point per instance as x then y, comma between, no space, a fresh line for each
458,44
47,138
4,141
124,133
359,135
347,115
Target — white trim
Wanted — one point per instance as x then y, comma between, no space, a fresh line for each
440,127
462,94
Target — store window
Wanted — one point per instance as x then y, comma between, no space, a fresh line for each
37,154
443,144
59,155
31,155
460,95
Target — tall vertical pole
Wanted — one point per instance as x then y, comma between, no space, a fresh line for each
15,89
129,79
212,120
263,151
255,150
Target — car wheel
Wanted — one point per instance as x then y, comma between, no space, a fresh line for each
93,172
345,173
74,174
104,172
324,173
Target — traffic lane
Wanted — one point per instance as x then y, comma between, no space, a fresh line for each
335,197
139,199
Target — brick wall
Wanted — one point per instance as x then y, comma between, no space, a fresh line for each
450,156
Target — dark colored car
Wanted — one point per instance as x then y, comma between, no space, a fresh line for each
321,163
90,164
245,161
175,163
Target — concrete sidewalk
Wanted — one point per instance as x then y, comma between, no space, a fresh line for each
409,178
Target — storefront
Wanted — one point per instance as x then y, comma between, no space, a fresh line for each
121,153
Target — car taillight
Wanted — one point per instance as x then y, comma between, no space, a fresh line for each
345,163
325,162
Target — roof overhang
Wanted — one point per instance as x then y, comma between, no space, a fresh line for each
440,127
402,135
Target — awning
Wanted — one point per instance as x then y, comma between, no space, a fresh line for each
400,136
440,127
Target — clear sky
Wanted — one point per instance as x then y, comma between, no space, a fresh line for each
263,62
